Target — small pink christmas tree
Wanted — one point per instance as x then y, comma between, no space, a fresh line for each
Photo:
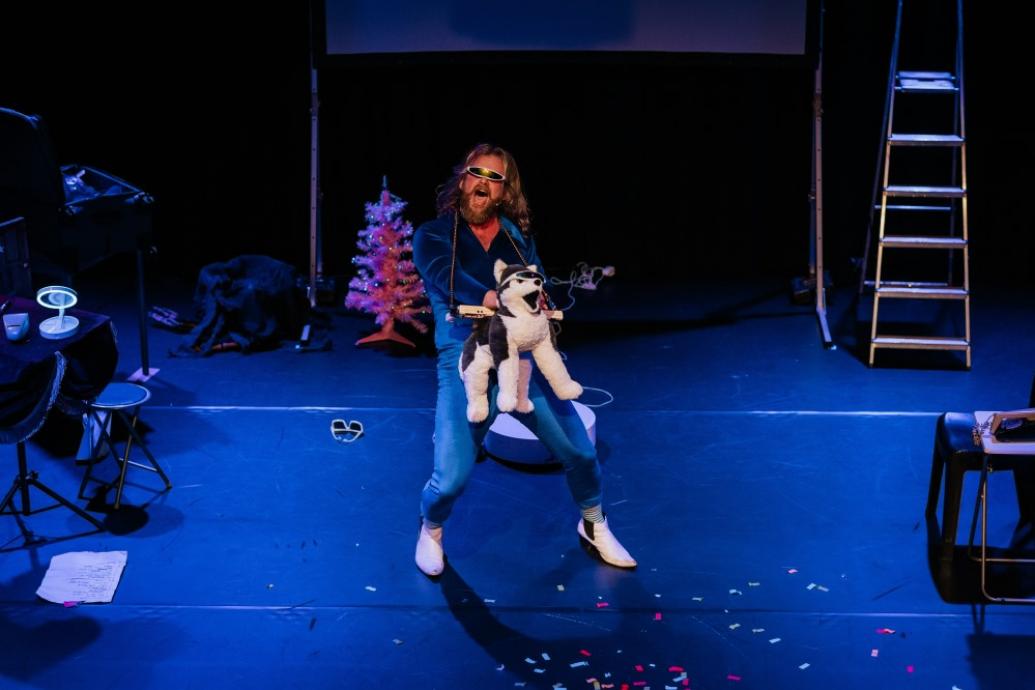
387,283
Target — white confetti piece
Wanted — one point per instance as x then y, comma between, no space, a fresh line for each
811,585
802,667
955,688
734,626
680,677
754,584
657,596
822,588
370,589
560,588
874,653
546,657
489,601
397,641
774,640
698,598
500,667
757,630
538,670
792,571
576,664
529,660
735,592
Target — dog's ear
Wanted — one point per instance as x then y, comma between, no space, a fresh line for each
497,269
533,268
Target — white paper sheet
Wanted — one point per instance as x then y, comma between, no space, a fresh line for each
88,577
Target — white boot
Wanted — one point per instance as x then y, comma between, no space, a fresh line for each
607,545
430,557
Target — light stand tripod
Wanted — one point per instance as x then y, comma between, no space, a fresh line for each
26,479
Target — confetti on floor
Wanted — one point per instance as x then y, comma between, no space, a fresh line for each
538,670
734,626
583,652
657,596
576,664
657,616
698,598
754,584
910,669
602,604
500,667
529,660
675,669
397,641
774,640
804,666
874,653
733,677
822,588
489,601
736,592
560,588
546,657
757,630
811,585
370,589
792,571
885,631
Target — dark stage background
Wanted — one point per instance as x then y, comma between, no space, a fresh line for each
670,167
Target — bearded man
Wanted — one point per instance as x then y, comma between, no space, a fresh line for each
483,217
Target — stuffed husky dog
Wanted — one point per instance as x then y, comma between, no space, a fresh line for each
519,325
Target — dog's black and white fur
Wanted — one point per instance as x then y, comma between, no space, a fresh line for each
519,325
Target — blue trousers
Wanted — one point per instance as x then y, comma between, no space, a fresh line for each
457,442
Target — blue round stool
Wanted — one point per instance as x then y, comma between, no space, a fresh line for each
116,399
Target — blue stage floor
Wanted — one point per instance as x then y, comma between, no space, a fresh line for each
773,493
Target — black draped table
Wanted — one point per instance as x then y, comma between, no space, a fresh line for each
30,371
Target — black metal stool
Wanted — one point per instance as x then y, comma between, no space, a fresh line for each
116,399
956,452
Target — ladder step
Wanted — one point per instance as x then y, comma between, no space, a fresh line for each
922,191
921,292
905,74
925,140
907,207
908,342
926,82
909,242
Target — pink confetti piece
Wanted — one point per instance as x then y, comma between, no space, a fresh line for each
657,616
792,571
71,604
885,631
583,652
686,682
638,668
909,669
874,653
602,604
639,683
733,677
675,669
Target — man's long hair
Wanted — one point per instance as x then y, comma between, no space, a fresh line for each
513,204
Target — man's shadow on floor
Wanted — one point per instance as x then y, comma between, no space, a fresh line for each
618,645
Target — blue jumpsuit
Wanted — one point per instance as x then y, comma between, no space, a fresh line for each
457,441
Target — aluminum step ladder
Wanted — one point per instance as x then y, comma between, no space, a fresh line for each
905,201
